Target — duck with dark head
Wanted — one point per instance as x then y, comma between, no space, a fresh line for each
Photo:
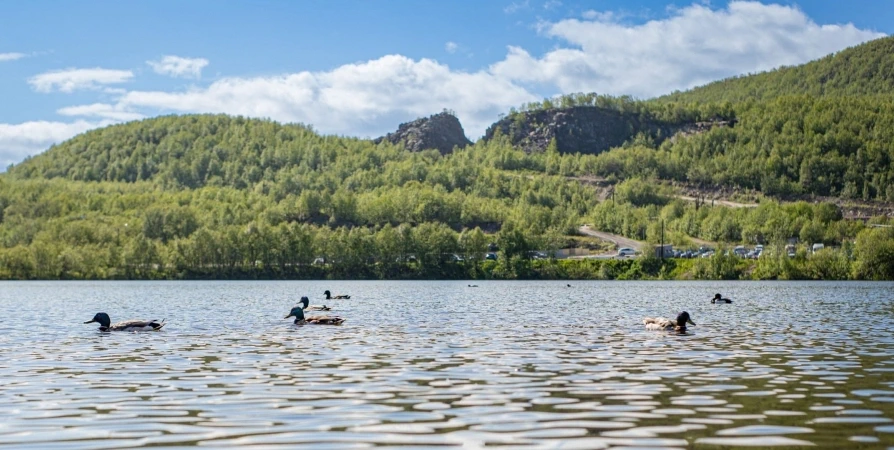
298,313
105,324
305,303
660,323
719,299
329,296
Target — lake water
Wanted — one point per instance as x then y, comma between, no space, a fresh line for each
427,364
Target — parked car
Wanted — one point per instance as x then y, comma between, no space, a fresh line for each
626,251
491,256
818,247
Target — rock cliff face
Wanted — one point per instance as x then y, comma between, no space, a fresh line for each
583,129
441,131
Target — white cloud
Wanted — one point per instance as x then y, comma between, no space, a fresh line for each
11,56
365,99
693,46
552,4
179,67
451,47
70,80
30,138
101,110
515,7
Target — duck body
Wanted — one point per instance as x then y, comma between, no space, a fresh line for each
105,324
305,302
329,296
719,299
661,323
300,319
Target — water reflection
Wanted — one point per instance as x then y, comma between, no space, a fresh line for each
428,364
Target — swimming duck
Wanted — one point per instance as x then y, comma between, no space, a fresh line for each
660,323
105,324
718,299
329,296
308,307
298,313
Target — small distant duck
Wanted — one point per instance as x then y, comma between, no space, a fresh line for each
105,324
298,313
660,323
329,296
473,285
308,307
718,299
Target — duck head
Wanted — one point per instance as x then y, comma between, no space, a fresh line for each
682,319
716,298
102,319
297,312
305,302
328,295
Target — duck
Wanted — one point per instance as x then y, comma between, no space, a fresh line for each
719,299
105,324
329,296
660,323
300,319
308,307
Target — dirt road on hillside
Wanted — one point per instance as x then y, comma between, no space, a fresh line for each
618,240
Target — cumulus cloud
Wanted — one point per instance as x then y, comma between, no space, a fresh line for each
179,67
70,80
101,110
451,47
18,141
694,45
11,56
365,99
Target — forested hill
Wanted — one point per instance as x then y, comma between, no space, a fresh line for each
195,150
866,69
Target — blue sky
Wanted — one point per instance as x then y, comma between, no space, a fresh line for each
361,67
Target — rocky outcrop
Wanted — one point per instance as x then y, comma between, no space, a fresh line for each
441,131
583,129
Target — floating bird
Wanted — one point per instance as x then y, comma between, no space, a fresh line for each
298,313
105,324
660,323
308,307
329,296
718,299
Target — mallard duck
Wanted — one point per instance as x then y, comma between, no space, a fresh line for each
660,323
329,296
105,324
308,307
718,299
298,313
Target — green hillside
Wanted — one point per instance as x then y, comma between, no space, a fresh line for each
229,197
867,69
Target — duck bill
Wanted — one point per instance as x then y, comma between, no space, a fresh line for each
290,315
690,322
90,321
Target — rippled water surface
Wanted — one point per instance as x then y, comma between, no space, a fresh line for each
431,364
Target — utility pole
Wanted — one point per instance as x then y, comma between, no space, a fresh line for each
662,238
